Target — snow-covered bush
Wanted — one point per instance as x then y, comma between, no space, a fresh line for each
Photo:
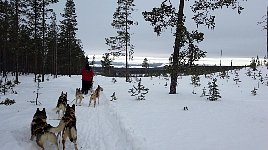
214,93
6,86
113,97
8,102
254,91
140,91
236,79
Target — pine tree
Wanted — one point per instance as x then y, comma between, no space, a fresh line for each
254,76
106,63
24,37
214,93
15,37
140,91
52,45
145,65
254,91
113,97
264,24
166,16
253,64
44,52
122,21
224,74
195,81
67,35
37,17
203,92
34,16
4,36
236,79
261,79
93,60
249,73
18,9
259,73
70,55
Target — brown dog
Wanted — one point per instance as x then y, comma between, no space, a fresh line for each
78,96
95,95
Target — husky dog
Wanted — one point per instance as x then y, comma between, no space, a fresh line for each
95,95
40,129
38,122
78,95
69,121
61,105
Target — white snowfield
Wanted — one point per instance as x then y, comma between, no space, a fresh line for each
237,121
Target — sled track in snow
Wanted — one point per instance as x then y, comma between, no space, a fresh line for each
100,128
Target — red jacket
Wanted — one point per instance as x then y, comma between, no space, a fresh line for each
87,75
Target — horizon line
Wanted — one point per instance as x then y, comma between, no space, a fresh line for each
235,61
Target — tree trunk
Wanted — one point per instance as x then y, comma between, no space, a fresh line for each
175,65
267,33
69,48
43,41
1,56
56,56
35,40
127,77
17,41
4,61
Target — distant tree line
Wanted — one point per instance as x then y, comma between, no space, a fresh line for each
32,42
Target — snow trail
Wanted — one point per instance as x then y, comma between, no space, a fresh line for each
98,128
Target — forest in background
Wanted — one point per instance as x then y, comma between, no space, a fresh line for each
31,41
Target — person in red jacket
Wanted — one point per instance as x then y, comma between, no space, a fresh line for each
87,78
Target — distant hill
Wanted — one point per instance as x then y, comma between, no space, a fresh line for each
135,65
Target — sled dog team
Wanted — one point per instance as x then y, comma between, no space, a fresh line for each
43,131
93,97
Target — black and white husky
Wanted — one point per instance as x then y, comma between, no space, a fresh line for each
61,104
40,129
68,122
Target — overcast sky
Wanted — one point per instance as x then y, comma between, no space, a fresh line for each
236,35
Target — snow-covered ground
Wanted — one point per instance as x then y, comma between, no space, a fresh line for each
237,121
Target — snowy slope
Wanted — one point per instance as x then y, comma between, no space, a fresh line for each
238,121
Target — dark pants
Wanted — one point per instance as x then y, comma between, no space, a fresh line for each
86,85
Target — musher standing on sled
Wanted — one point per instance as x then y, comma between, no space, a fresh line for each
87,78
